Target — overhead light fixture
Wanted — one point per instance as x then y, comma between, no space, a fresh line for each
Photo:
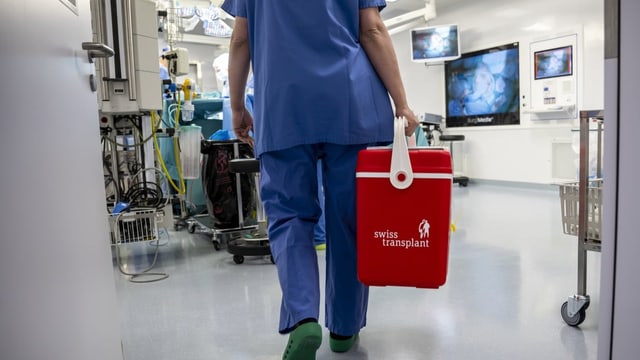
406,26
427,13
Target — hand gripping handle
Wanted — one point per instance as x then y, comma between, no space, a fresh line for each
401,175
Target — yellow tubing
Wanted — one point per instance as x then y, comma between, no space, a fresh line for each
176,124
183,188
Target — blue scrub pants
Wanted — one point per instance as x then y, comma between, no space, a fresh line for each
289,190
318,231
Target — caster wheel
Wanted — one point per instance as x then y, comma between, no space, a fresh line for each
238,259
191,228
273,261
574,320
216,246
464,184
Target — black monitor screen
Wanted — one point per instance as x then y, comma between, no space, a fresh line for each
435,43
482,88
553,63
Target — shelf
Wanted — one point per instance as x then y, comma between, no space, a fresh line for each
568,109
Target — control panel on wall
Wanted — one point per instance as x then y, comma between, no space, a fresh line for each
554,77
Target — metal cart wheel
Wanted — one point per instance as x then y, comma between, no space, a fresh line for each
238,259
191,228
216,246
577,318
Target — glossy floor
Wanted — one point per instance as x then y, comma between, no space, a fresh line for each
510,269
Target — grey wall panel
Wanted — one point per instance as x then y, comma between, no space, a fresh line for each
625,344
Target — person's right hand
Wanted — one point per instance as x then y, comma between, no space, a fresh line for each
242,125
412,120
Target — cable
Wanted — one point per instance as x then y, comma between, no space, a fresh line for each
167,125
182,189
107,164
176,121
154,126
159,172
157,242
140,195
145,272
171,112
145,194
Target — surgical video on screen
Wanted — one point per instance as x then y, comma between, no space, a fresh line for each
483,83
434,43
553,63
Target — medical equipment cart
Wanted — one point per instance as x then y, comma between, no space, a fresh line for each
581,204
256,242
235,217
459,178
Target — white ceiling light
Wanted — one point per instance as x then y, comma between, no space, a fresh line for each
425,14
406,26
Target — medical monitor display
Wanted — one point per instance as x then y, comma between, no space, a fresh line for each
435,43
553,62
482,88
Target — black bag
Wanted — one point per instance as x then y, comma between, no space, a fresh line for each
220,184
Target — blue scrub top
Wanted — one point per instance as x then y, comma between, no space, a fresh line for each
313,81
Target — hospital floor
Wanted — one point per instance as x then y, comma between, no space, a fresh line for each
510,270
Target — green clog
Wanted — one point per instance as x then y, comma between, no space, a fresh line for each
303,343
341,346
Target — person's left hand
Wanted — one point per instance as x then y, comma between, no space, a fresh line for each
242,126
412,120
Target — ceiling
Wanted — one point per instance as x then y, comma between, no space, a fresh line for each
393,9
400,7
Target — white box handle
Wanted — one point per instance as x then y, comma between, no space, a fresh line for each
401,175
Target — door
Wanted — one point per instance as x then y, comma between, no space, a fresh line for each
57,291
619,314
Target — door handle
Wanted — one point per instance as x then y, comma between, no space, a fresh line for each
97,50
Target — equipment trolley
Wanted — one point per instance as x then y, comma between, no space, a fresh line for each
581,204
229,196
235,217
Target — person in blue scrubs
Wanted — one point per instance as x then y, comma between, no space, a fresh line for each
164,75
325,72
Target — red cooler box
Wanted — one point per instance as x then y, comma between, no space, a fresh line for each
403,231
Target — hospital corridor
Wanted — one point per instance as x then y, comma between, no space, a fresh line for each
319,180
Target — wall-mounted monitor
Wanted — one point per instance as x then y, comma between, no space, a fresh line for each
435,43
553,62
482,87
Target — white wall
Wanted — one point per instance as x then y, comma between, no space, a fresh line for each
521,153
